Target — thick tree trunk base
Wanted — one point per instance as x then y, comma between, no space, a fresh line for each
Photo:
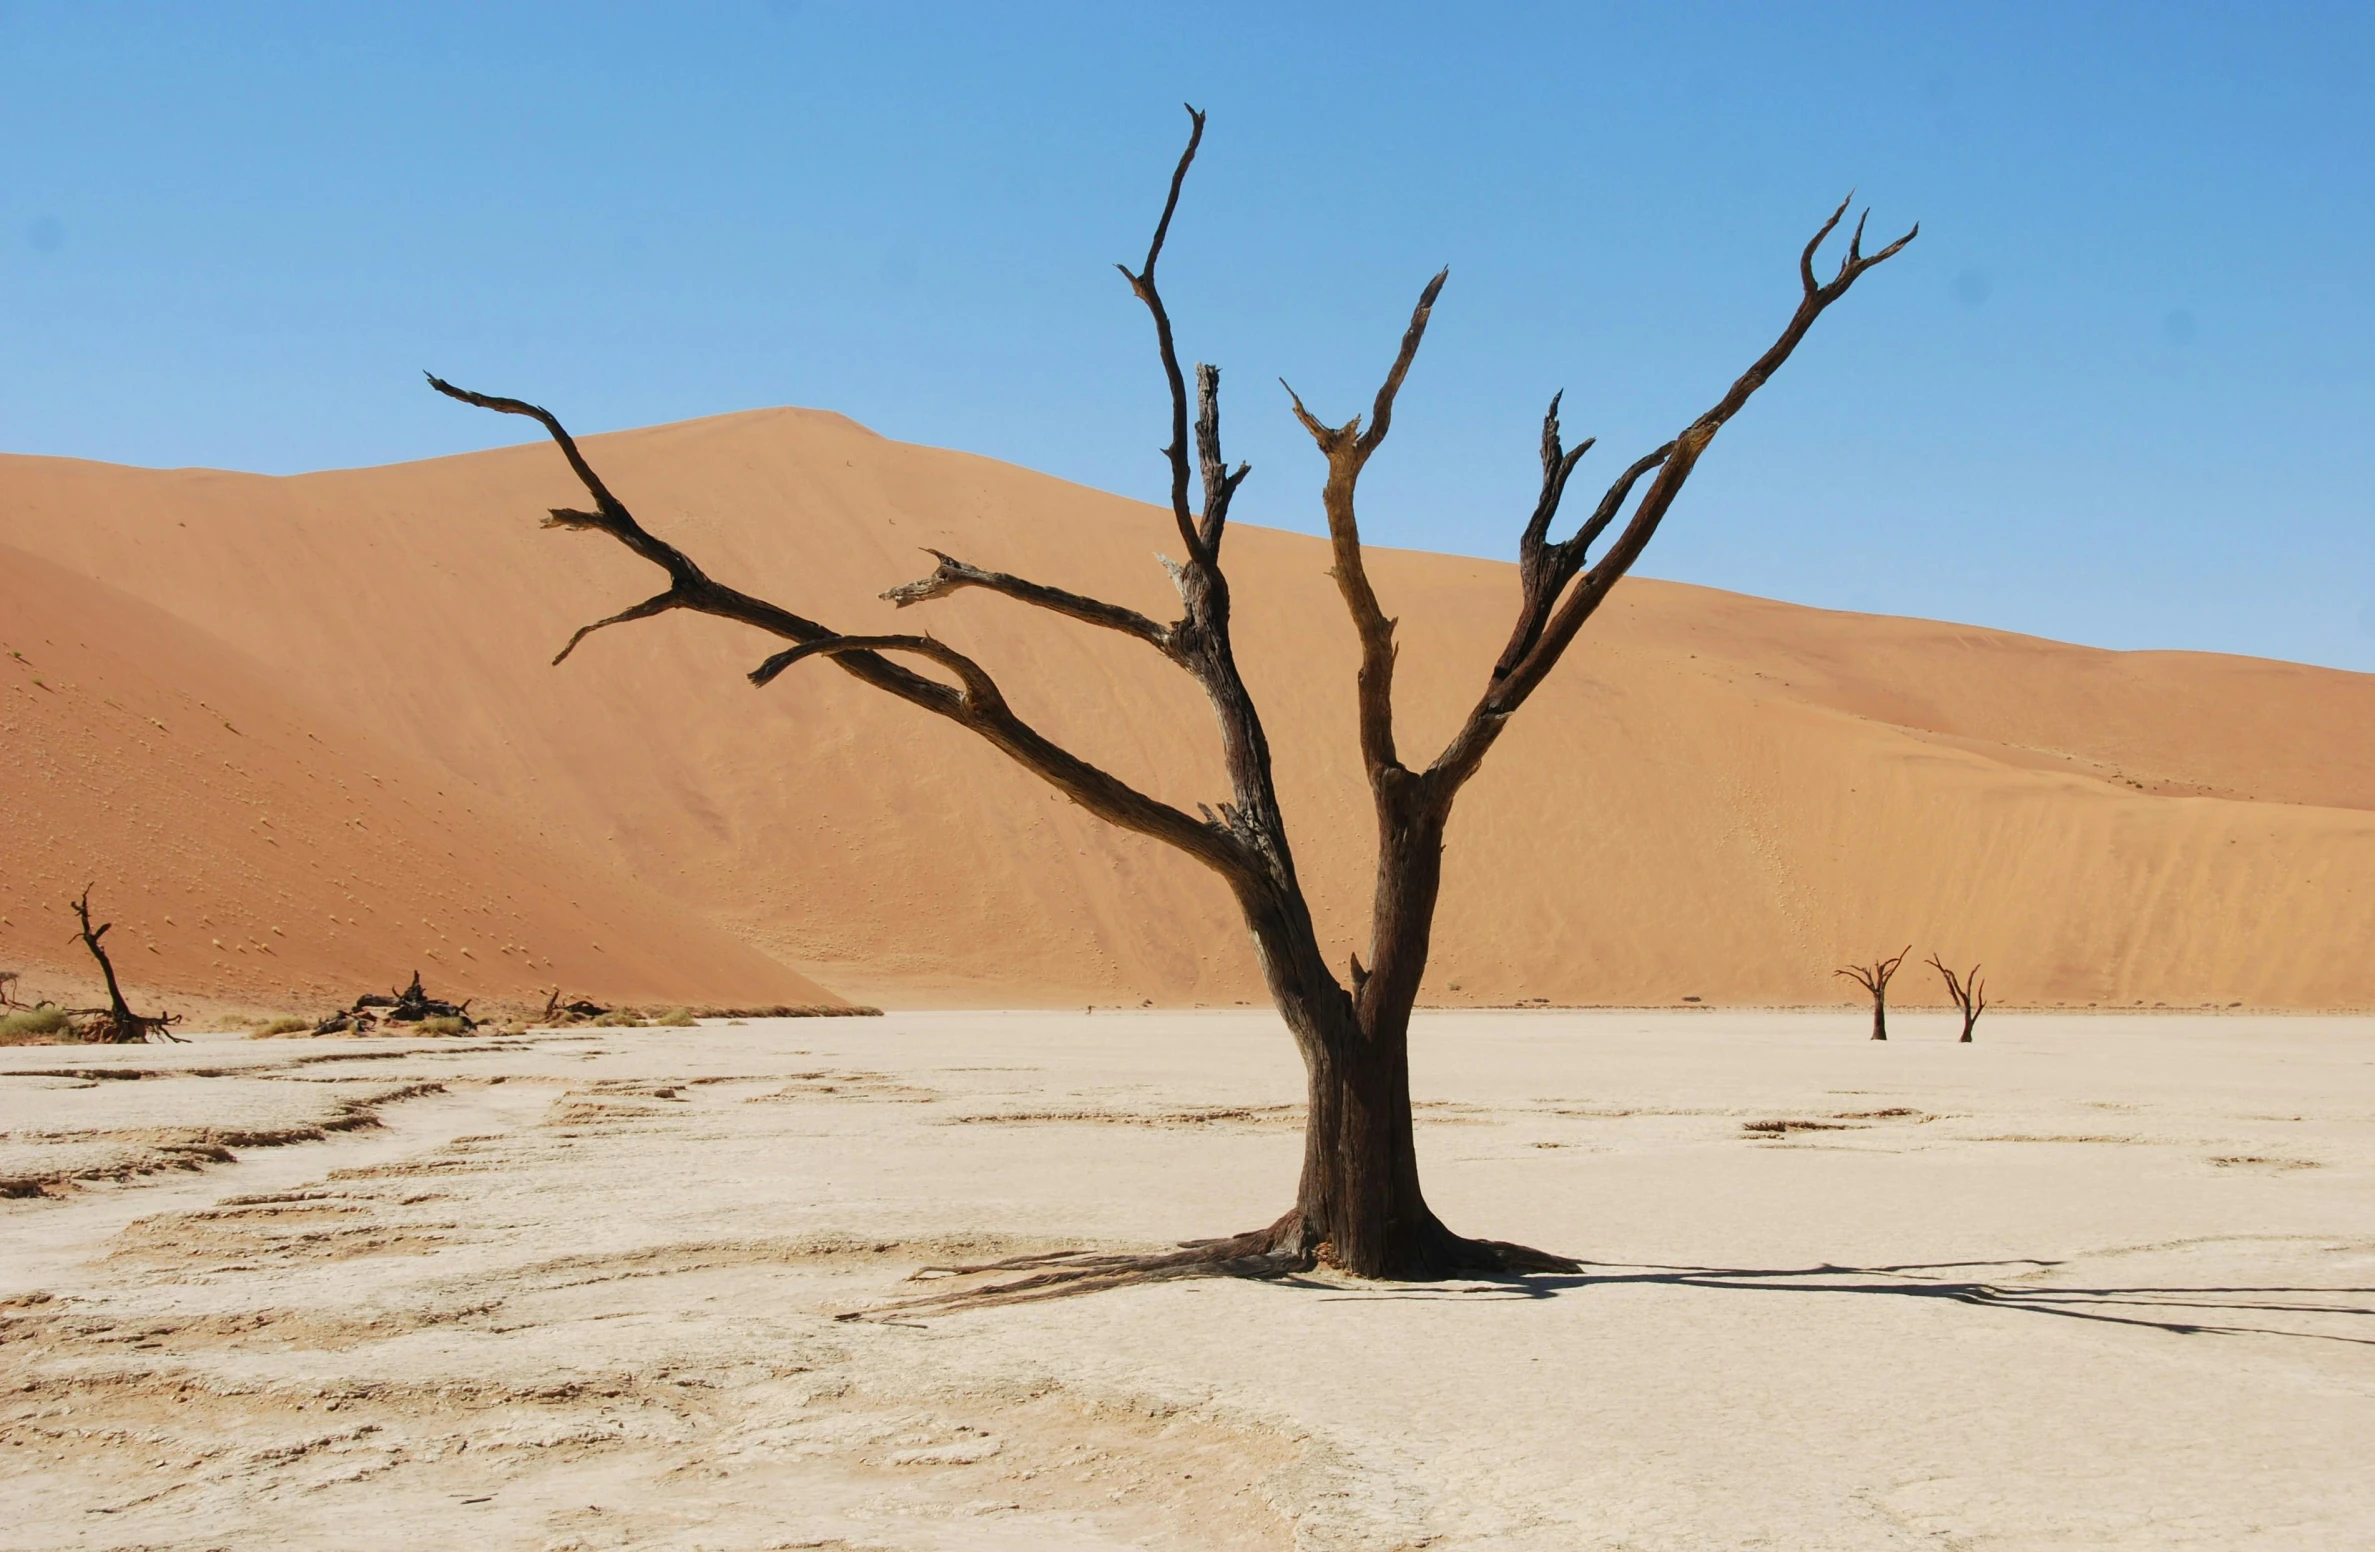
1283,1249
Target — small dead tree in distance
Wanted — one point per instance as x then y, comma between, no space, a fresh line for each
1358,1206
1965,992
115,1024
1874,978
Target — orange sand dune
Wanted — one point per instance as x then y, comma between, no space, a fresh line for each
1718,797
251,849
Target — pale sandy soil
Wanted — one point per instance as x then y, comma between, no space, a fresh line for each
2094,1282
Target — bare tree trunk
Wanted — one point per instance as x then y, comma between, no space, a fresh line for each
1358,1205
1874,978
1966,992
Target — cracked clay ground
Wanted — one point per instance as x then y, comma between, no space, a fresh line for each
2091,1283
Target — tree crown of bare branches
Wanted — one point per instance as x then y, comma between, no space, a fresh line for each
1875,977
1242,838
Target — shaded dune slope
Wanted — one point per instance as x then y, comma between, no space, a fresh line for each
1717,797
251,848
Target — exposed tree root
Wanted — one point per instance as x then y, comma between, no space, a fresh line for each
1283,1249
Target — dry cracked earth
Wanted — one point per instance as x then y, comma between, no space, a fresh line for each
2097,1283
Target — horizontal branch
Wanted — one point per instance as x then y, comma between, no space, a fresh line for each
981,692
953,575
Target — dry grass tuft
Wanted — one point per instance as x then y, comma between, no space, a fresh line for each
43,1024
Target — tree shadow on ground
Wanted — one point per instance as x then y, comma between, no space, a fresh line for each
2216,1310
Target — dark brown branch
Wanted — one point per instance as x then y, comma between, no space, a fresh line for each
1557,465
659,604
979,690
1537,644
1348,449
1381,411
953,575
977,706
1143,285
1544,569
1220,485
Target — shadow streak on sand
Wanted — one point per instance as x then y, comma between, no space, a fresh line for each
1924,1281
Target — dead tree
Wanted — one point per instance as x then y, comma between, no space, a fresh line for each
1874,978
115,1024
1358,1205
558,1012
1965,992
409,1006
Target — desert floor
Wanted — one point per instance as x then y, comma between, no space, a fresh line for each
2091,1282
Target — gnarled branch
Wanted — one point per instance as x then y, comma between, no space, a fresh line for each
1143,285
980,691
1547,622
978,705
1348,449
953,575
658,604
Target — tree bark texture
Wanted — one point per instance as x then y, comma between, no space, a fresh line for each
1358,1206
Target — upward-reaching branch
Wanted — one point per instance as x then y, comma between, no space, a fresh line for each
1348,449
1143,283
1550,612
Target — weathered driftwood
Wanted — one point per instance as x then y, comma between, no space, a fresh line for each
1358,1205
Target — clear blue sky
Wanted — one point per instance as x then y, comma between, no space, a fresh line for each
2117,393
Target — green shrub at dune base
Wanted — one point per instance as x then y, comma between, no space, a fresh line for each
677,1018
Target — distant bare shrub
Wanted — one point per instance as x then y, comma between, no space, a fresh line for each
284,1025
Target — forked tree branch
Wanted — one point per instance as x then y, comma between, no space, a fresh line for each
1348,449
1547,622
977,704
1143,284
1875,977
1220,482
